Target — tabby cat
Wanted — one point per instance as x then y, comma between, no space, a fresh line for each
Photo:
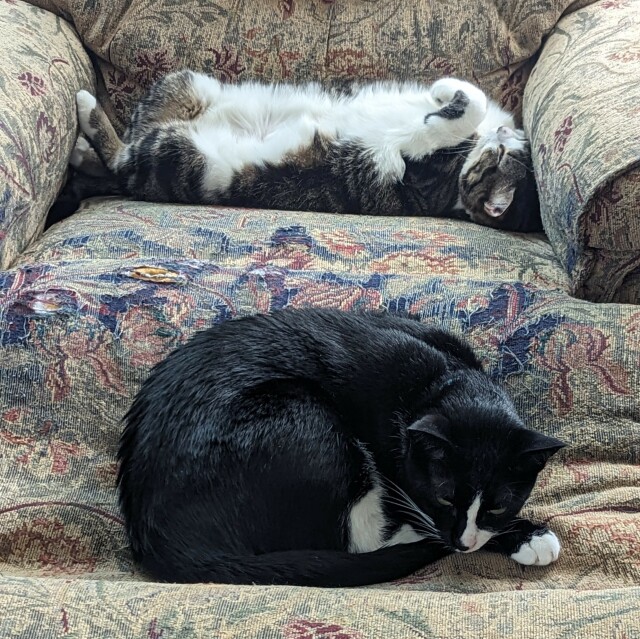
377,149
323,448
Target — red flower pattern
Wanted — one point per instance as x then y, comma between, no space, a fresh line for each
32,83
562,134
443,66
122,90
574,350
512,90
351,63
48,545
225,62
306,629
287,7
152,65
629,55
46,133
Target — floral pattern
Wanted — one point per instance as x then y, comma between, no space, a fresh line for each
44,65
90,306
588,176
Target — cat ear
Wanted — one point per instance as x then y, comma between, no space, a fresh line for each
499,201
538,448
432,427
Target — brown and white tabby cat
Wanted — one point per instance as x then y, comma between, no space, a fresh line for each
376,149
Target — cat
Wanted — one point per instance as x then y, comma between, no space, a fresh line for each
317,447
376,149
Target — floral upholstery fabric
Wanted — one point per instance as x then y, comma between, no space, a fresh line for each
582,110
89,306
137,41
43,65
102,296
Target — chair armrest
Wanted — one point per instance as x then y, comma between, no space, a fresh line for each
582,113
43,66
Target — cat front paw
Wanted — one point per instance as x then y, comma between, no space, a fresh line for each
459,100
541,549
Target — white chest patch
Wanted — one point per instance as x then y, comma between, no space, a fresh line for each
367,522
404,535
472,537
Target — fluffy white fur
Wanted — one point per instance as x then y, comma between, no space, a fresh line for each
254,123
541,550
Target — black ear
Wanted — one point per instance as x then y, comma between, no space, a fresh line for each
538,448
431,427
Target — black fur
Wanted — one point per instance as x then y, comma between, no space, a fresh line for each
246,449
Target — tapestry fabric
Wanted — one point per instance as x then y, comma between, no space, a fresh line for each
582,112
88,307
43,66
104,295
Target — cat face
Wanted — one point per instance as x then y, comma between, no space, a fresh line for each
471,486
497,186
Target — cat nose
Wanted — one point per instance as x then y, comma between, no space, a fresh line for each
459,546
505,132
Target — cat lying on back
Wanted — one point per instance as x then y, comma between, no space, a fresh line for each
377,149
321,448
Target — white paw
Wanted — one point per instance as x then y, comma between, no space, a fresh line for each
86,104
80,152
206,87
540,550
443,90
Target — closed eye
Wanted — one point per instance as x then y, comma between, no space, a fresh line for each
444,502
497,511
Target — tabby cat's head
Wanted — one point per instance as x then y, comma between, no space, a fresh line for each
471,464
497,185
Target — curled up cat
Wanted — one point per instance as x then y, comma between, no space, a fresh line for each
323,448
378,149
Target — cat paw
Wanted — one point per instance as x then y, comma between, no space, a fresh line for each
540,550
207,90
82,151
459,101
86,104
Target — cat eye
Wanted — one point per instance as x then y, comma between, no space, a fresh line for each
444,502
497,511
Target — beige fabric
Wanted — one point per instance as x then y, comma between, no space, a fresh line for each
137,41
43,65
106,294
582,111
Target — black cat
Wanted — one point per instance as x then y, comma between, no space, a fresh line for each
323,448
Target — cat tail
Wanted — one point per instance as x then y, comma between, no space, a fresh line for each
98,128
317,568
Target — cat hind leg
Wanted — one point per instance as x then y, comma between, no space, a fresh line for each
95,124
179,96
85,159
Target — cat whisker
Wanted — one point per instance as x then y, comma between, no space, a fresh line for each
407,503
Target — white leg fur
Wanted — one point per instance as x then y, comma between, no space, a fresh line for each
80,152
86,104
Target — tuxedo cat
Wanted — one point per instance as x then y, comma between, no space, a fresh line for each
323,448
376,149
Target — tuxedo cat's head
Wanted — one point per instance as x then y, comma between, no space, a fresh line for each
471,464
497,186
